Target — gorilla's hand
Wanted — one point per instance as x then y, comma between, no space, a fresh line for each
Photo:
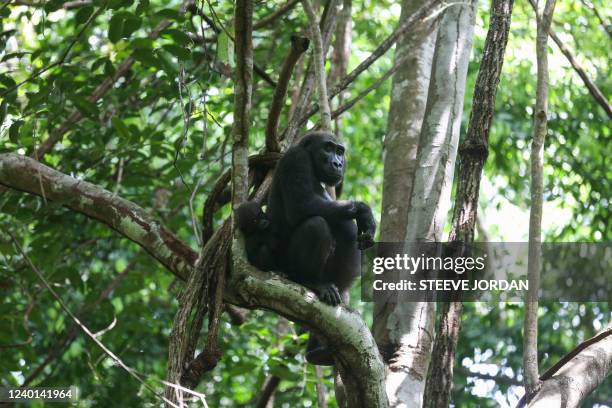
366,226
329,294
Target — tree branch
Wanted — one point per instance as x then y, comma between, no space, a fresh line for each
299,45
346,333
267,20
428,10
576,375
593,89
26,174
530,326
319,65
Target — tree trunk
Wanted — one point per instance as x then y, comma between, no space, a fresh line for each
530,327
439,138
473,153
408,99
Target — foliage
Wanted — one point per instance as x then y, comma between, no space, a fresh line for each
162,131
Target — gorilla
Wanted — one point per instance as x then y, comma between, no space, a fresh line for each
259,241
316,239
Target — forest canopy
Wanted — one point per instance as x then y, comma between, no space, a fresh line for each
134,102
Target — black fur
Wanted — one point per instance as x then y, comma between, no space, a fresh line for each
259,241
318,238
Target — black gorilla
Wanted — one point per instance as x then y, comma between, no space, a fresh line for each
316,239
259,241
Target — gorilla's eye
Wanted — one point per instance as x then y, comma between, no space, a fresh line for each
329,147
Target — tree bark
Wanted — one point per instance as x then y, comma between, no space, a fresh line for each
360,364
432,184
569,387
393,320
530,326
26,174
473,153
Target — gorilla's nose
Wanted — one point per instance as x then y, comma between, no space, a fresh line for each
337,164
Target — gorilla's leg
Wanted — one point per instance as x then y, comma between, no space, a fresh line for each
309,248
342,267
344,264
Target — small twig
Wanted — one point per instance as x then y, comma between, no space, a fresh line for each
593,89
59,300
321,402
602,20
299,45
62,58
269,19
319,65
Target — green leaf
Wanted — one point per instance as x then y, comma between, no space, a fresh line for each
181,53
53,5
117,4
109,68
83,14
97,64
225,49
7,81
146,57
115,28
170,14
178,36
131,23
143,5
121,127
14,131
166,64
142,43
86,107
3,111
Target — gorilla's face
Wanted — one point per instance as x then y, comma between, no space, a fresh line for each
327,155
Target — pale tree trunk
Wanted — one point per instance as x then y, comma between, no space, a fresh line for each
408,99
433,179
473,151
530,340
577,378
412,323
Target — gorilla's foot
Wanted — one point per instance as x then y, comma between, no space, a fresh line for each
320,356
317,353
329,294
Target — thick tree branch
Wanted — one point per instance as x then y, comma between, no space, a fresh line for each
299,45
344,330
26,174
473,153
576,375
